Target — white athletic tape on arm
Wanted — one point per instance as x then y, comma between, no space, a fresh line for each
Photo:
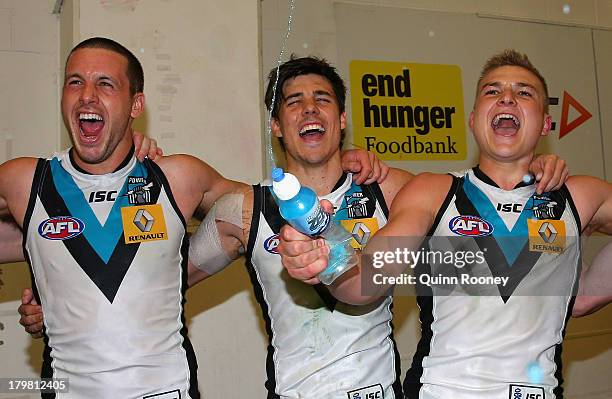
205,250
229,209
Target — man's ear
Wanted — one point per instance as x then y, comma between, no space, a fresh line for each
138,104
471,121
343,121
547,125
276,130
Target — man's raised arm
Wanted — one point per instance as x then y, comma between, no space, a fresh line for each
412,215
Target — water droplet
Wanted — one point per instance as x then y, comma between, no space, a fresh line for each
566,9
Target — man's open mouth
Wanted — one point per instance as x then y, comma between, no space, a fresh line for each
90,124
505,123
312,129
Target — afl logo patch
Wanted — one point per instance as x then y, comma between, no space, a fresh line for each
61,228
470,226
271,244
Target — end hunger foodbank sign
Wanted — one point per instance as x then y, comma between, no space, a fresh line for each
408,111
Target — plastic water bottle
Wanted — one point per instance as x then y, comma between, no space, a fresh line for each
301,208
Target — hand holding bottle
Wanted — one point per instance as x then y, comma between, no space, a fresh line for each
301,208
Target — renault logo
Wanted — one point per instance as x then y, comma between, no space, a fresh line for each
547,232
143,220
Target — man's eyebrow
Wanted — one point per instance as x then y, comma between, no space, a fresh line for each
498,84
322,93
485,84
100,77
293,95
105,77
525,84
72,75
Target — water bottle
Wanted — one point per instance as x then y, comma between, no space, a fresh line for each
301,208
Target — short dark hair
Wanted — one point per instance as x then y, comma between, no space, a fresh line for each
511,57
303,66
134,70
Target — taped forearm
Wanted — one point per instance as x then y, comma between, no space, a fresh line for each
211,248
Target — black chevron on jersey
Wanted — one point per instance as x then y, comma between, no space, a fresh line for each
106,276
496,260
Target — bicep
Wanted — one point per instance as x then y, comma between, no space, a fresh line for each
11,249
394,182
593,199
15,183
603,217
414,207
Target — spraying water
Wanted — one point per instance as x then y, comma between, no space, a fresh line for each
271,161
342,255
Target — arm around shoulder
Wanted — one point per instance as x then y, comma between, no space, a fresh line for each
195,184
396,179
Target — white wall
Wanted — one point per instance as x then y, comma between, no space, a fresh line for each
29,125
28,78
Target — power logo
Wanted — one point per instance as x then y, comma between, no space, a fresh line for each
143,223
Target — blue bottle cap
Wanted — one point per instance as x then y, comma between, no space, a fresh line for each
278,174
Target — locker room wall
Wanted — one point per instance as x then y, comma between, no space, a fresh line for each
205,63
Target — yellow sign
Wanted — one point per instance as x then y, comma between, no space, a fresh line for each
361,230
546,235
142,223
406,111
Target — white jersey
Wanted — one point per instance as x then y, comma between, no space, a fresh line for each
108,253
320,348
501,340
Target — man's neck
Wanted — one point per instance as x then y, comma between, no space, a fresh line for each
505,174
321,178
110,164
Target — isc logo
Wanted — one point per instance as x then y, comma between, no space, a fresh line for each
61,228
271,244
526,392
102,196
510,208
470,226
371,392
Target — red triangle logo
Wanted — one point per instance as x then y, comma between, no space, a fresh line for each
585,115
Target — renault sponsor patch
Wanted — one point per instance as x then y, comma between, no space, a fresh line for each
143,223
546,235
361,230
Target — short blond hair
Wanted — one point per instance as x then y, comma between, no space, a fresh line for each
511,57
